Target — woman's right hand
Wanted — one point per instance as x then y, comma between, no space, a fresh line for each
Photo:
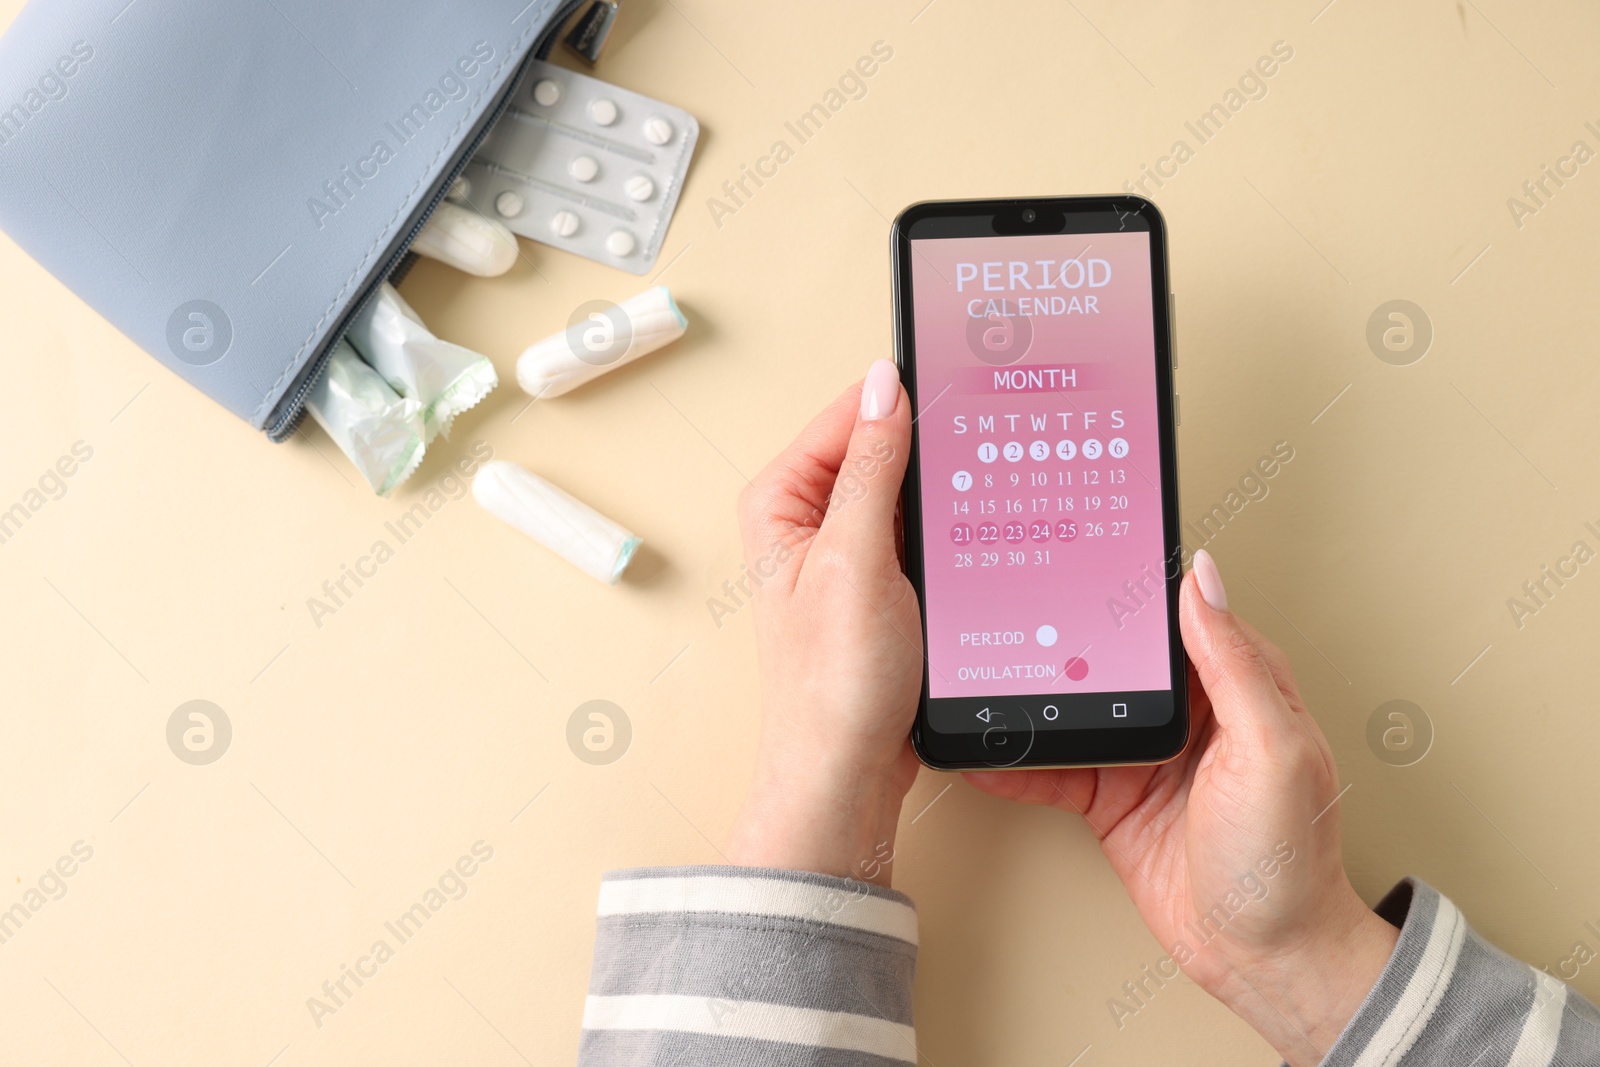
1231,851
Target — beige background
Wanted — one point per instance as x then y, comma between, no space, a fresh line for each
368,754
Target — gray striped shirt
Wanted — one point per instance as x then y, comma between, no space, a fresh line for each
738,965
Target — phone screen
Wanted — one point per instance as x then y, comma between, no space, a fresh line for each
1042,515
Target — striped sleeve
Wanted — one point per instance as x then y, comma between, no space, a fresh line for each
741,965
1448,997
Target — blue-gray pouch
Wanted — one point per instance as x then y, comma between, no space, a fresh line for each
228,184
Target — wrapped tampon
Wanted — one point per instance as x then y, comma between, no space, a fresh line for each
602,342
568,527
467,240
444,378
377,428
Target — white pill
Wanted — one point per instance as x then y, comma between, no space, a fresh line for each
621,243
509,204
603,112
546,93
564,224
639,187
460,189
657,130
583,168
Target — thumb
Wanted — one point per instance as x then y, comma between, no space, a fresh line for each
1233,669
859,525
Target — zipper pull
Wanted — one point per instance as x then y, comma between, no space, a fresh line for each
589,33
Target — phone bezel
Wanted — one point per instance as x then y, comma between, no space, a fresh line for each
1075,214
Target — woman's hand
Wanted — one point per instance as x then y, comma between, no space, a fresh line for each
840,641
1231,852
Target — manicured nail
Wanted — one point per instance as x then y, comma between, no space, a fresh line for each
880,395
1205,571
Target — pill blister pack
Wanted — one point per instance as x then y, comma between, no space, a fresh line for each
584,166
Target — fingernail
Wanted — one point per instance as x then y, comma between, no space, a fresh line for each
1206,573
880,394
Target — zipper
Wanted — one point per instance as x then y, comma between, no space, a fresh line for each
292,408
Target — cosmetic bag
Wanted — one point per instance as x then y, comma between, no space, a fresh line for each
228,184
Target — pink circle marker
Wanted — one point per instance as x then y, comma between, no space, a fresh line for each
1077,669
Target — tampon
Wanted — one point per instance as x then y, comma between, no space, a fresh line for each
445,379
379,430
601,343
467,241
568,527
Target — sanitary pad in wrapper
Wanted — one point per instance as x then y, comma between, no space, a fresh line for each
378,429
443,378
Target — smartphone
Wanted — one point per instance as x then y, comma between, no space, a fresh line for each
1034,337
